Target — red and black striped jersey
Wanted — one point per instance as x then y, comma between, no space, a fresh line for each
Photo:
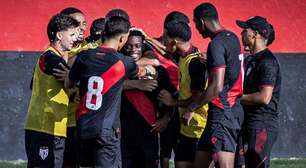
101,73
224,52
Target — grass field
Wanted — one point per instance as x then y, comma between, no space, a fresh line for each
276,163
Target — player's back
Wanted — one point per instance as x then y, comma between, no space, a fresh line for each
101,73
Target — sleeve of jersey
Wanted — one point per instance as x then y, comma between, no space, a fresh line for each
131,68
53,62
74,74
164,82
215,56
268,72
197,75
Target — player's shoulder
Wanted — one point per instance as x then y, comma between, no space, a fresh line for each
51,55
268,59
224,36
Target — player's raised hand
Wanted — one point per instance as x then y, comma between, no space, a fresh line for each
141,30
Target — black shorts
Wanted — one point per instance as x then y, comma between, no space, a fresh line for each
260,143
103,151
143,155
70,154
240,151
169,137
44,150
217,137
186,149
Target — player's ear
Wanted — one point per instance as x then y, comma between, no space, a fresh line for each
123,38
59,35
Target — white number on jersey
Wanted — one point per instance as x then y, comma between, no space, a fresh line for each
95,87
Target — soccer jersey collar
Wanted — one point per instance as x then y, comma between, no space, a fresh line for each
50,48
217,32
107,48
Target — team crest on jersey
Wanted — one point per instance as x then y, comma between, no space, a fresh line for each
43,152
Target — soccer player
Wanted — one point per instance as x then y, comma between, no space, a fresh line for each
46,123
96,33
101,73
141,114
225,73
240,160
70,158
261,91
80,44
169,136
192,83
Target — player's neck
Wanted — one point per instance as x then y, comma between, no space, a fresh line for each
58,47
216,28
258,47
186,49
111,44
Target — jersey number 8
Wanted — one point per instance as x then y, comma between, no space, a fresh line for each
95,87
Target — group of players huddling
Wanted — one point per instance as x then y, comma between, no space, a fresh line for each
120,98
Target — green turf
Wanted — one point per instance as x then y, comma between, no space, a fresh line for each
280,163
4,164
301,163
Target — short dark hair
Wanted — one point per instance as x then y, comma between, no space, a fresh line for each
70,10
115,26
206,11
60,22
97,25
176,16
271,36
137,33
179,30
117,13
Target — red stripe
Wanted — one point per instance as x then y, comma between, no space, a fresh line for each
217,67
171,68
114,74
81,110
217,101
236,90
42,63
266,85
143,105
261,139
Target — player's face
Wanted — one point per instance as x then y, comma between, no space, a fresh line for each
68,38
82,27
248,38
200,26
170,44
133,47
